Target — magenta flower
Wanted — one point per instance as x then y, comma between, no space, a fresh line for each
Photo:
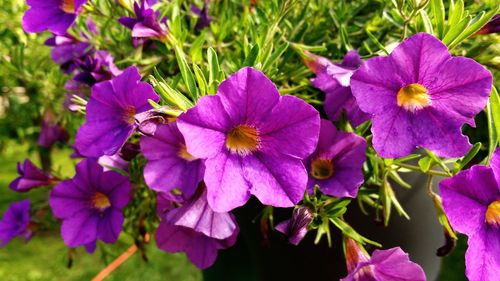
51,131
90,205
297,226
334,81
471,201
197,230
15,222
111,110
67,50
421,96
253,141
30,177
336,165
54,15
96,67
169,164
384,265
146,23
204,19
493,26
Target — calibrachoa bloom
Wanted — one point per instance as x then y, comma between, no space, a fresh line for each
253,141
96,67
111,110
169,164
334,81
336,165
204,19
493,26
67,50
29,177
54,15
90,205
421,96
196,229
296,227
471,201
51,131
146,23
15,222
392,264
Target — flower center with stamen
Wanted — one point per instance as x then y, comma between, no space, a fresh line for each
242,139
184,154
100,201
413,97
321,169
493,214
68,6
129,115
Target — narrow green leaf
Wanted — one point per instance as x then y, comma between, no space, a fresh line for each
275,56
375,40
455,13
455,31
492,133
200,78
252,56
469,156
425,164
437,7
474,26
495,108
187,74
426,21
395,177
213,66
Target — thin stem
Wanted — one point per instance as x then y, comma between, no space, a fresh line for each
430,172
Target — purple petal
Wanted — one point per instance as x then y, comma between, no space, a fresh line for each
481,258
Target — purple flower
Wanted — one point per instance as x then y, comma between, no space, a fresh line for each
421,96
96,68
75,89
145,24
169,164
334,81
15,222
471,201
204,19
29,177
54,15
493,26
51,131
392,264
336,165
90,205
111,110
67,50
197,230
296,227
253,141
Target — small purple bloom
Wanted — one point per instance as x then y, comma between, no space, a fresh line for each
75,89
334,81
55,15
146,23
420,95
204,19
253,141
471,201
197,230
111,110
90,205
392,264
67,50
169,164
336,165
296,227
29,177
15,222
51,131
96,68
493,26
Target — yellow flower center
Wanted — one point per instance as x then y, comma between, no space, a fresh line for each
68,6
100,201
413,97
321,169
493,213
184,154
129,115
242,139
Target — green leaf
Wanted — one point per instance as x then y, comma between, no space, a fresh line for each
495,108
200,78
187,74
213,66
455,31
437,7
455,13
252,56
468,157
426,21
474,26
395,177
425,164
492,132
350,232
275,56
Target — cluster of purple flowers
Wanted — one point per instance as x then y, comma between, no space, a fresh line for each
248,140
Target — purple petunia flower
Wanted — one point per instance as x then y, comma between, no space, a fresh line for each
90,205
67,50
15,222
253,141
421,96
204,19
296,227
336,165
111,110
493,26
30,177
334,81
196,229
51,131
146,23
96,68
169,164
471,201
54,15
392,264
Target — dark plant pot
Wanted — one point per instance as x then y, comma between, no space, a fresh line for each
272,258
